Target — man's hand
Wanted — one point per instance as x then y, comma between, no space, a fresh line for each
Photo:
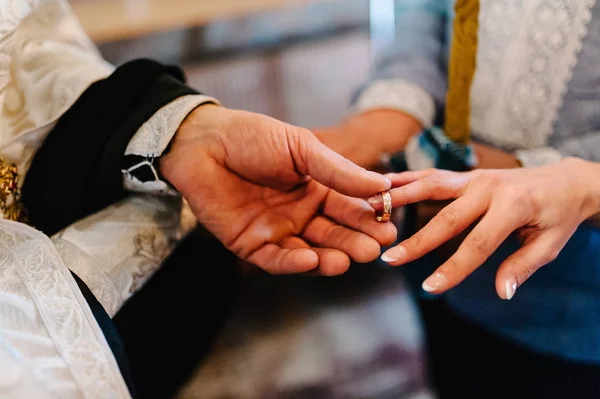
543,205
364,138
266,190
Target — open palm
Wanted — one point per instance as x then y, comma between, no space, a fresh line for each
272,193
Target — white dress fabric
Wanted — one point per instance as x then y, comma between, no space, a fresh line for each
50,343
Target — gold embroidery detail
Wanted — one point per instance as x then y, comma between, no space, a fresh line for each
461,69
10,194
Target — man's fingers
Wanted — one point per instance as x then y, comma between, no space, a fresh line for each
448,223
478,246
404,178
277,260
436,186
315,159
518,267
332,262
328,234
356,214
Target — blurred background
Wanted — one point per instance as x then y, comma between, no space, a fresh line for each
296,60
351,337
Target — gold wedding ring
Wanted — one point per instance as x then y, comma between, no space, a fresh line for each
385,214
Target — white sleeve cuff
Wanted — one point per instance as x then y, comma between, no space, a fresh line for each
400,95
154,136
538,157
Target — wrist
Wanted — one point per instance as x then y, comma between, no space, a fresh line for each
594,183
201,119
389,129
586,176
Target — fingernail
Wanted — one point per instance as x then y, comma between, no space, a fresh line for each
435,282
394,255
380,176
510,287
376,200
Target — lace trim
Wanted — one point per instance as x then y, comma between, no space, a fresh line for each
153,137
401,95
528,49
64,313
538,157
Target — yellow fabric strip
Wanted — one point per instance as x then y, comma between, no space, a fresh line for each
461,69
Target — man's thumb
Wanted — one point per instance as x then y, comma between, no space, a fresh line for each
318,161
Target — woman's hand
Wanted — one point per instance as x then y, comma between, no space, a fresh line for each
488,158
543,205
266,190
493,158
364,138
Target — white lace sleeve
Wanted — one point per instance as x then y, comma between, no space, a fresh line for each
398,94
151,140
538,157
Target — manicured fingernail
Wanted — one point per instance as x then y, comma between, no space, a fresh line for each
510,287
435,282
394,255
376,200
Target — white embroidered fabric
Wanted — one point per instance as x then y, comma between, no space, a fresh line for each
398,94
50,343
527,52
154,136
116,250
46,62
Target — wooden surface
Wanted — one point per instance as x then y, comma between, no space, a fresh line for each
110,20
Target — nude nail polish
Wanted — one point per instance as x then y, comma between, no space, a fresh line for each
435,282
510,287
394,255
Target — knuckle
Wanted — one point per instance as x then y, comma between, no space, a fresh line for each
478,242
434,181
521,200
550,256
493,178
483,176
335,232
448,216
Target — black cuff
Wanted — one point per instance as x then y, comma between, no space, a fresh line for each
77,171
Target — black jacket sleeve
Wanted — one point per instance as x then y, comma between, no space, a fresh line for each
77,171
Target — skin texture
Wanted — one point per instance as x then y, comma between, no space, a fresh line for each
365,137
274,194
488,158
543,206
